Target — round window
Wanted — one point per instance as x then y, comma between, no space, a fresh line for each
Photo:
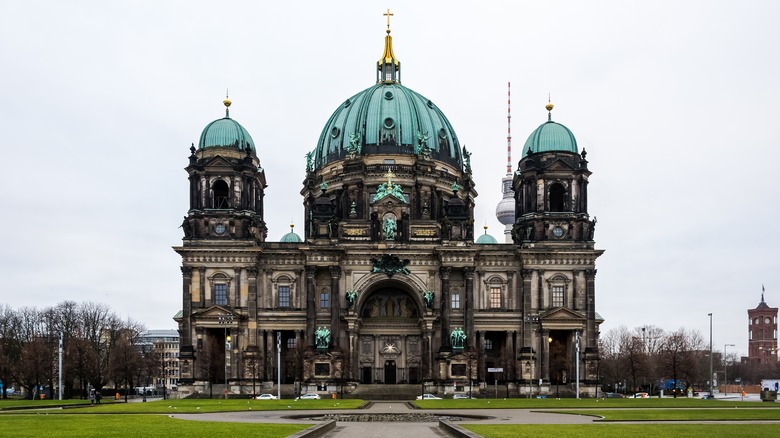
557,232
388,95
389,123
335,132
220,228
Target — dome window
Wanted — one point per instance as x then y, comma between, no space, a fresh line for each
347,103
442,133
335,132
430,104
389,95
389,123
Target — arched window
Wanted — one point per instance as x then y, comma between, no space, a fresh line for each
221,195
557,197
284,291
557,286
455,299
219,289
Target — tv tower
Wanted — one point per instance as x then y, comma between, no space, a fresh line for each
505,211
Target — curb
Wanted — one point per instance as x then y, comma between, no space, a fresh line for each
456,430
316,431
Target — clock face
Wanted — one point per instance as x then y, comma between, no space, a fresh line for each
220,228
557,232
766,320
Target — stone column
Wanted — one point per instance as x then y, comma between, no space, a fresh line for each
335,305
186,306
481,372
251,304
202,275
444,271
311,311
237,288
590,309
527,275
545,354
468,273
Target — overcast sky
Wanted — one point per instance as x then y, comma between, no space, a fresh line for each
676,103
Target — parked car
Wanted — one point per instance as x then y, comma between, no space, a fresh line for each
641,395
460,396
266,397
428,397
613,395
310,396
708,397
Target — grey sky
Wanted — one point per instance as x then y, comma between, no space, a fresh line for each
675,102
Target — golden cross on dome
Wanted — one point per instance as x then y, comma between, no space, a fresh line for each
388,14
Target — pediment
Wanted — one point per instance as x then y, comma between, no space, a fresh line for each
217,316
559,165
389,200
218,161
561,314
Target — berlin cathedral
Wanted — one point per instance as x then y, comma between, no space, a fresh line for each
387,284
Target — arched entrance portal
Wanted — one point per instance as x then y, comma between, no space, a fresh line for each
391,335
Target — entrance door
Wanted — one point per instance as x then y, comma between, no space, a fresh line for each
365,375
390,372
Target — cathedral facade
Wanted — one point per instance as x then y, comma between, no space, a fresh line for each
387,284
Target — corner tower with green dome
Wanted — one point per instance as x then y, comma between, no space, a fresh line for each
555,237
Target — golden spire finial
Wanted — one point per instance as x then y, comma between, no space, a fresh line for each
388,14
227,103
485,227
549,108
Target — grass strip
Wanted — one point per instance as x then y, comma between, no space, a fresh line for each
736,414
622,430
147,426
572,403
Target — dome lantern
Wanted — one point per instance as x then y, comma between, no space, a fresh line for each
388,67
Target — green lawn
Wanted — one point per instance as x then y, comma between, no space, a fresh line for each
623,430
569,403
147,426
193,406
730,414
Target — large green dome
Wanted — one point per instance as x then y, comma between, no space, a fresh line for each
388,118
226,132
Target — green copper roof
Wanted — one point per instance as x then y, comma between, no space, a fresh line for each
550,137
225,132
486,239
291,238
388,118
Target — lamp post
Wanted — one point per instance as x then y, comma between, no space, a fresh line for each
710,315
226,320
725,369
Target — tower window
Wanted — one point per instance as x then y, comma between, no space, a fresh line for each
557,197
290,343
284,296
488,344
455,300
495,297
221,192
220,294
324,300
557,296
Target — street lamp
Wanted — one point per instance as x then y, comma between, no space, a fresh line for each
226,320
725,369
710,315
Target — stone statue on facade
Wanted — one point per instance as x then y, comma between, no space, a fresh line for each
322,337
466,160
428,298
458,338
389,227
351,298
